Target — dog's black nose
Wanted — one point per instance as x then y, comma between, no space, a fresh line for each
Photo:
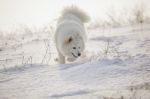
79,54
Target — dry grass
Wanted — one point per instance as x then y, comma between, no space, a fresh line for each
134,92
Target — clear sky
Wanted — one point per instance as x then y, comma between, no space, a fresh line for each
39,12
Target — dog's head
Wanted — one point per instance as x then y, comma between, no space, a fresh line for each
73,46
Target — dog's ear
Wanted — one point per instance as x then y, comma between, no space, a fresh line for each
69,40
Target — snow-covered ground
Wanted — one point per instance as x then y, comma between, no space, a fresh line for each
115,65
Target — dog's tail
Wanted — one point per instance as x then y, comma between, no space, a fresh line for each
77,12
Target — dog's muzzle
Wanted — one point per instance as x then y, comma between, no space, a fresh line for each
79,54
74,55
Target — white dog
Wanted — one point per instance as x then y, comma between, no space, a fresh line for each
70,34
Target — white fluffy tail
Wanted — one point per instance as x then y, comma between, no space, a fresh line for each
77,12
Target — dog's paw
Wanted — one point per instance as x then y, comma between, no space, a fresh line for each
56,59
61,61
71,59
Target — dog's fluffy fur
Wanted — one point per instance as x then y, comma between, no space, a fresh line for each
70,36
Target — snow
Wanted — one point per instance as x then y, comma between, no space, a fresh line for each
118,68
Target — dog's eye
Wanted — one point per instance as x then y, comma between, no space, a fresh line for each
74,47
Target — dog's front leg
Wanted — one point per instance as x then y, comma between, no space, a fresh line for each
61,59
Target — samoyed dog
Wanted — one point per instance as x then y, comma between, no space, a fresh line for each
70,34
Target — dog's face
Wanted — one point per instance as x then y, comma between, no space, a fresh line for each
74,46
